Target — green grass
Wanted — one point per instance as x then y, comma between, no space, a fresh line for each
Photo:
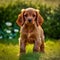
10,51
52,3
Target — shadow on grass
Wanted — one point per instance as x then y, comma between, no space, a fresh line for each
9,41
29,56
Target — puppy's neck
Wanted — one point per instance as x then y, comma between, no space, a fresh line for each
29,28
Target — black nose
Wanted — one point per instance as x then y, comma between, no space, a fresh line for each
29,20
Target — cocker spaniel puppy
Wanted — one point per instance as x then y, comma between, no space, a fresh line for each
31,31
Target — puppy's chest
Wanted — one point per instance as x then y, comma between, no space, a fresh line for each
30,37
29,34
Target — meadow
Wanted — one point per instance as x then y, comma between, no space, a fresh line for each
9,51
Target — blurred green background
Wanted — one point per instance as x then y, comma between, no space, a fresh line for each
9,10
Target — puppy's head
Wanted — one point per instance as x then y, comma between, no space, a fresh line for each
29,16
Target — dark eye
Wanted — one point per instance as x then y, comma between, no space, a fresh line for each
34,15
25,15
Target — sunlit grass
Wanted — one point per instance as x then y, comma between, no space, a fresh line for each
10,52
52,3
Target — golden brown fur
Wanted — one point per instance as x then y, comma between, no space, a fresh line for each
31,31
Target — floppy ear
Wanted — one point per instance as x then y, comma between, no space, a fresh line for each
39,19
20,19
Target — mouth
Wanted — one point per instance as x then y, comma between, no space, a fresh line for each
30,23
